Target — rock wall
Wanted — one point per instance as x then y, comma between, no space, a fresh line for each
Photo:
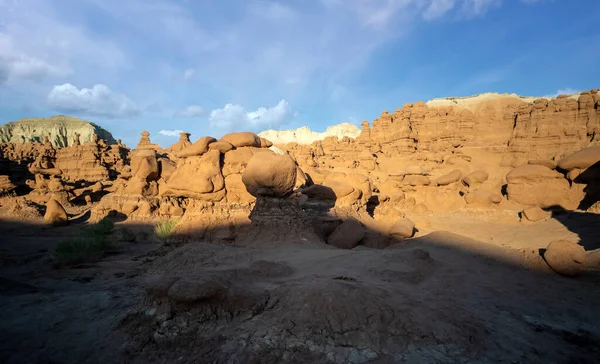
59,129
304,135
542,128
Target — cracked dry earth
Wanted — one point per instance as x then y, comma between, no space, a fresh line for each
440,298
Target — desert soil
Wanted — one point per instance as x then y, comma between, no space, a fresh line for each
467,289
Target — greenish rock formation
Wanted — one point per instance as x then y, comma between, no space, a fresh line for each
59,129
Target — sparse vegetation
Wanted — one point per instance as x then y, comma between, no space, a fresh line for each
127,235
163,229
89,245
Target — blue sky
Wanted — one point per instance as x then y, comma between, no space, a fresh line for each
210,67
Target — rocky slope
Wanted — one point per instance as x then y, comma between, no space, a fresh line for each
304,135
59,129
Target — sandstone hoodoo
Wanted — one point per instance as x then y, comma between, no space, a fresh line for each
55,213
263,247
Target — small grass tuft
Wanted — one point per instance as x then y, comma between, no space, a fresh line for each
89,245
163,229
104,227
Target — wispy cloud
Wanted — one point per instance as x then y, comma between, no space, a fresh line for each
192,111
189,73
170,133
566,91
437,9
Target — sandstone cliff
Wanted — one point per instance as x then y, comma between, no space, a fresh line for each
59,129
304,135
529,127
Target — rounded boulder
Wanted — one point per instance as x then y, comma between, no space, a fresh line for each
402,229
348,235
270,174
582,159
476,177
242,139
198,148
565,257
449,178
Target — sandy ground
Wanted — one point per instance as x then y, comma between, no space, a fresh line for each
475,293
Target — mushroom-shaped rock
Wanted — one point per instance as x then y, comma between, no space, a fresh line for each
536,214
544,162
348,235
199,147
582,159
270,174
449,178
184,142
55,213
402,229
242,139
476,177
565,257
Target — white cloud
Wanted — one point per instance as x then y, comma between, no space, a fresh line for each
36,43
437,9
17,66
170,133
192,111
98,100
236,117
473,8
189,73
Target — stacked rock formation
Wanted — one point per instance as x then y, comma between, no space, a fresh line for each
486,153
208,170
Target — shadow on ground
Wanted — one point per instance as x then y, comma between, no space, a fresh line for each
271,291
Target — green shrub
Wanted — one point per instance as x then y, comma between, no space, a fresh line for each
163,229
89,245
104,227
127,235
